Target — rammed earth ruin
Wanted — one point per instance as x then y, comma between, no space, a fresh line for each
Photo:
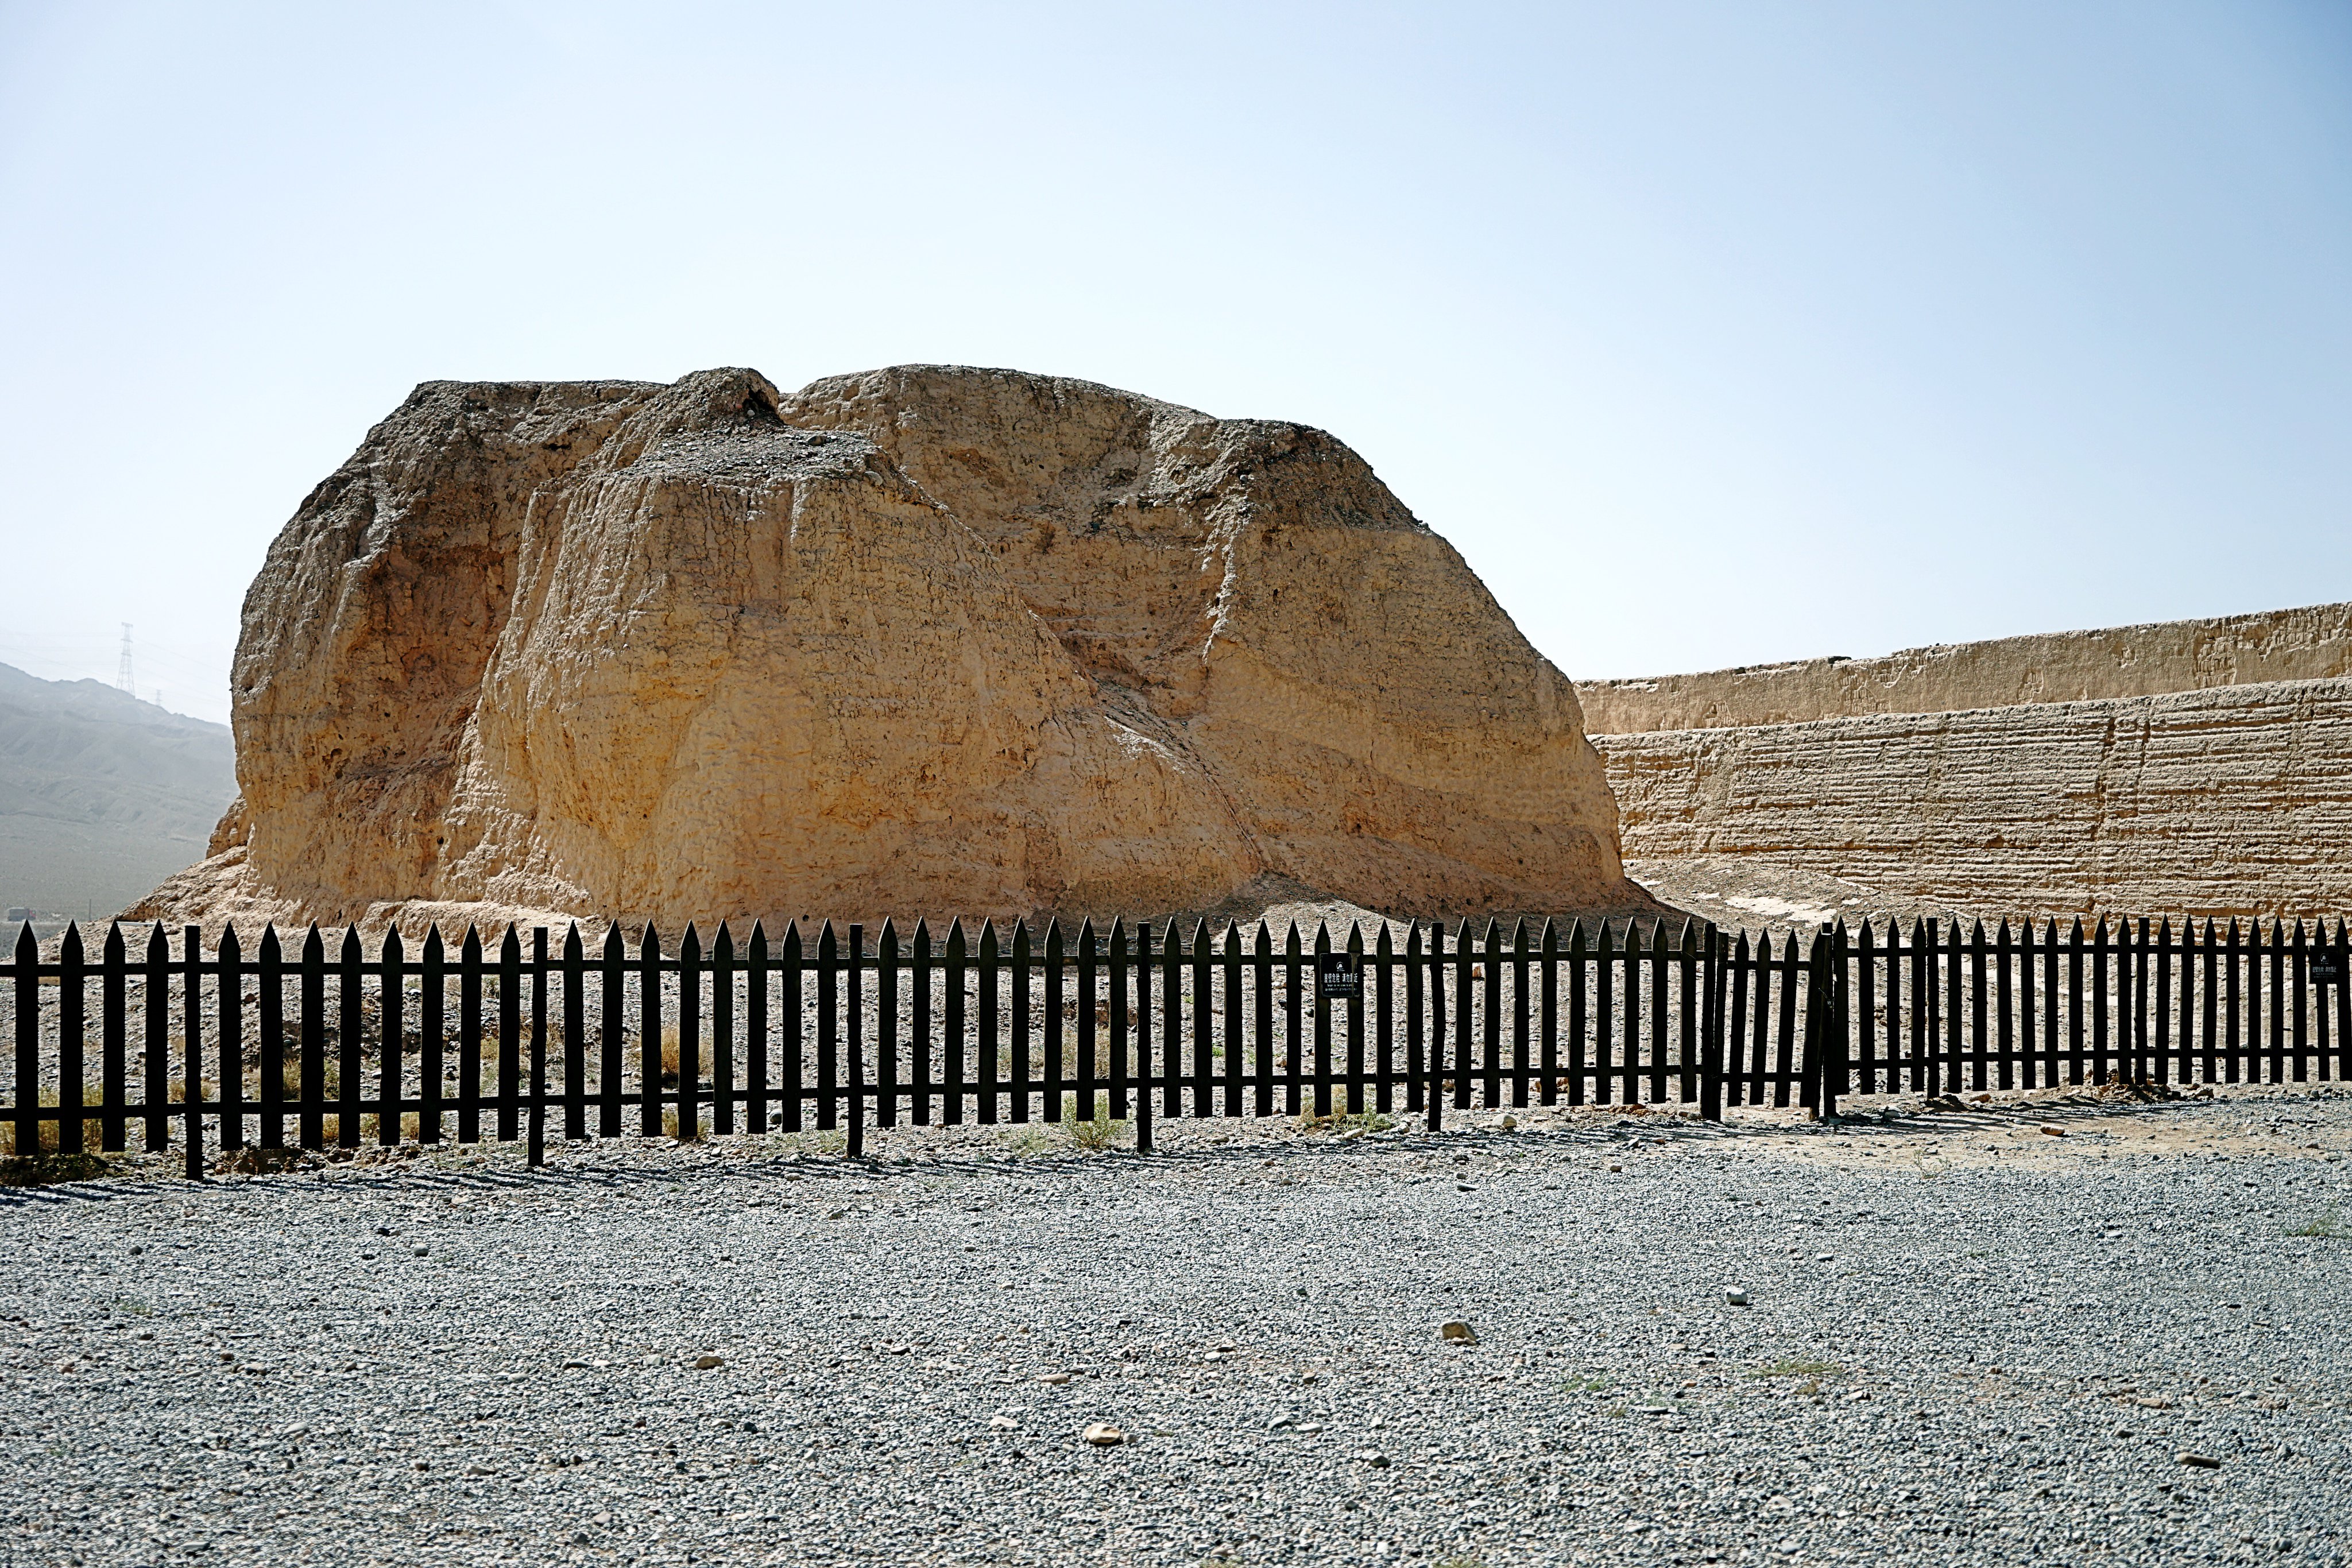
923,640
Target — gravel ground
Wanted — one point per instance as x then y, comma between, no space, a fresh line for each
1968,1341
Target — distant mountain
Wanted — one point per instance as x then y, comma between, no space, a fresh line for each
101,795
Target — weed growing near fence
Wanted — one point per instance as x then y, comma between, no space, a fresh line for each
91,1129
1098,1133
2328,1225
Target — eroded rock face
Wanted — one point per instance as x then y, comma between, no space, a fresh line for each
925,640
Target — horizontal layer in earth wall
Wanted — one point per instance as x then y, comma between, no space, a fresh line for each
2313,642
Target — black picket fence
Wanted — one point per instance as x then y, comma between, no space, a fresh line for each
549,1038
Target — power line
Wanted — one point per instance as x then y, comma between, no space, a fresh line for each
123,675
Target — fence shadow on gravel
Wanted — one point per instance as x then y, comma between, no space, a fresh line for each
538,1038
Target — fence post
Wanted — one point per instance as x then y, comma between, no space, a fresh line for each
1710,1049
537,1044
1824,1067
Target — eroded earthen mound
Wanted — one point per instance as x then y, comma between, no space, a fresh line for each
928,639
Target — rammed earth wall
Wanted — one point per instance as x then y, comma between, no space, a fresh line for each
2228,801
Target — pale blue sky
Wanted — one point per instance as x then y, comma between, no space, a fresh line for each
1710,334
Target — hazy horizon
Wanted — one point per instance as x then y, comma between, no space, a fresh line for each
1711,335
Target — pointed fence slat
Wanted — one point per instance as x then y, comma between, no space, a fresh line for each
272,1037
1322,1025
1262,1019
792,1065
886,1025
1115,982
2160,1044
1522,1046
72,1041
650,1042
757,1092
1686,1050
113,1006
432,1024
25,1083
854,1005
575,1033
952,1044
2278,1002
1661,1029
1294,1045
1787,1071
510,1065
1204,1021
688,1103
722,1031
828,1024
919,1025
1144,1037
469,1037
1490,1006
987,1040
1435,1095
1171,1019
192,1049
1736,1084
1055,1083
1629,991
1416,1070
1465,1006
1017,1045
2023,1040
611,1021
1236,1032
1354,1068
1085,1074
1548,1016
536,1111
1604,1013
390,993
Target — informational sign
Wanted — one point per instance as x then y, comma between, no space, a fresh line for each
1338,976
2327,969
